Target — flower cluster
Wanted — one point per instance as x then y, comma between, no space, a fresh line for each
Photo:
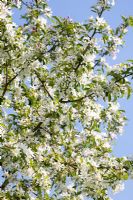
59,111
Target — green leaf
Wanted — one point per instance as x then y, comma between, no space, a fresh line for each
125,176
130,60
129,90
57,19
2,125
130,21
108,95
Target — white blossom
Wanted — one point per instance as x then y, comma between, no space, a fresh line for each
42,21
119,187
100,22
90,58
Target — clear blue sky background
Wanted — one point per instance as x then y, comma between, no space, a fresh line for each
79,10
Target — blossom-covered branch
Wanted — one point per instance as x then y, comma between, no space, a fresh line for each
59,110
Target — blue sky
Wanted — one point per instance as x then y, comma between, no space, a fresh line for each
79,10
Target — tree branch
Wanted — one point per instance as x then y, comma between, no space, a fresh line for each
37,127
43,85
126,75
88,46
4,184
7,84
75,100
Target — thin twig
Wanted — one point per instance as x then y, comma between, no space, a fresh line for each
7,84
75,100
126,75
88,46
37,127
43,85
